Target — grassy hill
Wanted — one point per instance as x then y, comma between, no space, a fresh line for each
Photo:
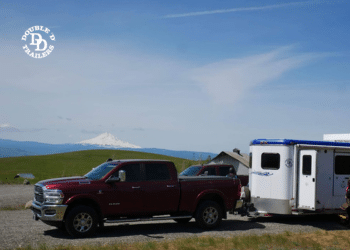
71,164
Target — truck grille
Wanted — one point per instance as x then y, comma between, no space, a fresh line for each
38,194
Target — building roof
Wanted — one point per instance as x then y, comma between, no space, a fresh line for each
243,158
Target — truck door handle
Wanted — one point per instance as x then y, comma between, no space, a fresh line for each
136,187
313,179
170,186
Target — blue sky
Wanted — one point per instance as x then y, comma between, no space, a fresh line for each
182,75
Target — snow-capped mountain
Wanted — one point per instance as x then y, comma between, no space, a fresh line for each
107,139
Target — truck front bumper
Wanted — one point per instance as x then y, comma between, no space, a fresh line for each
48,212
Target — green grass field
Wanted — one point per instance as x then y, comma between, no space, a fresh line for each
71,164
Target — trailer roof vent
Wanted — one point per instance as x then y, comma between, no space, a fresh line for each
236,150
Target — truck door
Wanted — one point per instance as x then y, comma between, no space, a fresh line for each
307,179
125,197
160,192
341,174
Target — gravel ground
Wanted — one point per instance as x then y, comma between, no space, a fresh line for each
18,229
14,195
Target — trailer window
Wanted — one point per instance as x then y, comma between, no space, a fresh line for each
250,159
270,161
342,165
306,164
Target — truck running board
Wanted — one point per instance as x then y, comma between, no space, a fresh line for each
149,219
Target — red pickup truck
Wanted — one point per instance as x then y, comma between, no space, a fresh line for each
133,190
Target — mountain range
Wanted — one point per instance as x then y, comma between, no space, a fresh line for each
10,148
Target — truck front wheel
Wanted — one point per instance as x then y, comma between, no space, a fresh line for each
208,215
81,221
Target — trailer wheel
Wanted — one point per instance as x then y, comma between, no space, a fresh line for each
208,215
81,221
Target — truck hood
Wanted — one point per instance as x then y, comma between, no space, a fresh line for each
76,180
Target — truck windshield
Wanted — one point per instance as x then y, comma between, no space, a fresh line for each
99,172
191,171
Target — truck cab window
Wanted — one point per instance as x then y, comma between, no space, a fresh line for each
211,171
270,161
191,171
342,165
306,164
133,172
157,172
225,171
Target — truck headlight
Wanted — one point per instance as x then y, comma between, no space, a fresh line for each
53,196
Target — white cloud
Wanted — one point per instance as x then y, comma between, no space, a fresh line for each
6,127
229,80
118,85
76,68
267,7
159,94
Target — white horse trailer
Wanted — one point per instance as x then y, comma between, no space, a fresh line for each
298,176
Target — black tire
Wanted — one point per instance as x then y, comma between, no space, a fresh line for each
208,215
182,221
81,221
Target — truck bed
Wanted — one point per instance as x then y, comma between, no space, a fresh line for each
225,190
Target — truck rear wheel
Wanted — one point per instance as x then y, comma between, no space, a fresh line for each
81,221
208,215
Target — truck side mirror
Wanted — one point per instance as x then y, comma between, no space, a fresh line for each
122,175
205,173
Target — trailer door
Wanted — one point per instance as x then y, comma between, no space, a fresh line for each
307,179
341,173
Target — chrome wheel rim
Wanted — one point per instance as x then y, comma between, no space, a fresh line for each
82,222
210,215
